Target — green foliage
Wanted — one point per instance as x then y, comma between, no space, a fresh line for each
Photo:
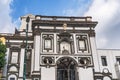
2,55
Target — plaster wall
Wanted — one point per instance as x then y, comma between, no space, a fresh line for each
94,54
111,60
85,74
48,73
23,22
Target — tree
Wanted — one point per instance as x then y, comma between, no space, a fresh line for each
2,55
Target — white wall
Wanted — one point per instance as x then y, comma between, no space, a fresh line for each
111,60
85,74
23,22
48,73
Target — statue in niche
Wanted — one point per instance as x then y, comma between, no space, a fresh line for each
65,51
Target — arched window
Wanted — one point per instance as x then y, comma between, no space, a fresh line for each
12,77
66,69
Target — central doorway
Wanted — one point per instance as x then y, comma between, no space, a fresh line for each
66,69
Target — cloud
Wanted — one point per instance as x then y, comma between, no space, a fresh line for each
79,8
6,24
106,12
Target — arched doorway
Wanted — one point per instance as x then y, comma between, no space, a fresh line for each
66,69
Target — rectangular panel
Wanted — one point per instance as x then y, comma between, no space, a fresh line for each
48,44
14,57
81,44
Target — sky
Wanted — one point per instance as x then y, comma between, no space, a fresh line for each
106,12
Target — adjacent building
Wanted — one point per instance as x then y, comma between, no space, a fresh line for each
58,48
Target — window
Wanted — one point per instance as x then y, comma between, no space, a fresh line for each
104,61
118,60
14,57
66,69
12,78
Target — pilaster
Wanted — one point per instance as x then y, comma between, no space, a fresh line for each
37,53
94,54
21,62
75,46
7,57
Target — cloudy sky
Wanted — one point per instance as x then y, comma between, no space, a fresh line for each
106,12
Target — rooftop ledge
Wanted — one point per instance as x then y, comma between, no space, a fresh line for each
63,18
60,20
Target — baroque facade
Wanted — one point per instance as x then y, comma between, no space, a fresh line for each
58,48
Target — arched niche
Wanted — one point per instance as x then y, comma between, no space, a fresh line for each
65,47
13,68
65,43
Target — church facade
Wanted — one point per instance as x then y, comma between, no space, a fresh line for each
58,48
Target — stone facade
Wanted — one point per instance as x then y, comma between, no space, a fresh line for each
58,48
